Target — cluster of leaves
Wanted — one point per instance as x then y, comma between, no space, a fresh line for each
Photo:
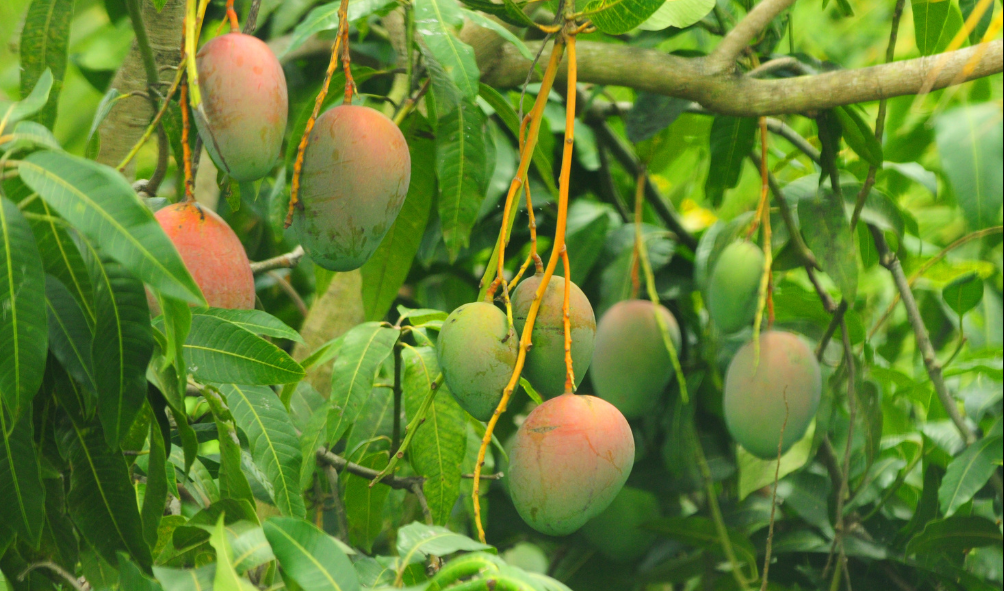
182,452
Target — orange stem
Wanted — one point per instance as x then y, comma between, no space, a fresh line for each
533,256
639,199
559,242
565,312
294,192
232,17
343,35
186,149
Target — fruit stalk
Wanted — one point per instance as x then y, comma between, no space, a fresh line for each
186,149
763,212
569,370
533,256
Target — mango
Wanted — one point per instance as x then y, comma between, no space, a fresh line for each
212,252
245,105
734,286
356,171
780,391
570,458
631,365
545,361
477,352
617,532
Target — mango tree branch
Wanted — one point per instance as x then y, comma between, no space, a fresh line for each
694,78
723,58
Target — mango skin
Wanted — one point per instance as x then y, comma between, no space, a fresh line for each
734,286
617,532
356,172
477,353
754,394
212,252
545,361
245,104
631,366
568,461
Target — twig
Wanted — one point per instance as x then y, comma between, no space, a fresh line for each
327,458
290,291
413,425
838,317
56,569
722,59
284,261
778,127
496,476
336,493
395,441
252,21
774,65
786,215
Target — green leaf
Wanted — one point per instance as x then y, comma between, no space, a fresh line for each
314,435
507,10
417,541
23,331
69,335
955,534
93,144
233,481
700,532
678,13
964,293
61,255
731,141
101,500
249,546
387,269
364,504
99,202
460,167
44,42
509,117
971,144
31,104
155,498
934,23
309,556
29,135
440,442
616,17
22,496
132,578
123,346
256,321
968,473
363,351
226,578
218,350
859,136
436,22
967,7
373,427
755,473
177,316
273,442
78,403
177,579
325,18
828,234
486,23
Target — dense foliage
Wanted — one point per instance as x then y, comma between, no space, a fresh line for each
816,403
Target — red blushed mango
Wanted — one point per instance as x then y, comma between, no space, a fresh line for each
569,460
631,365
212,252
545,362
760,395
245,105
356,171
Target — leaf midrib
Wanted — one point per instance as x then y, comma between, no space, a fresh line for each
271,446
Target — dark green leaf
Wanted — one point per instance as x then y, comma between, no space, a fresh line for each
387,269
44,43
273,442
934,23
218,350
508,11
982,24
364,504
436,22
971,145
69,335
955,534
325,18
233,481
828,234
61,255
859,136
731,141
78,403
616,17
486,23
363,350
101,500
23,331
700,532
22,496
963,293
155,498
309,556
968,473
652,112
99,202
256,321
104,108
132,578
440,443
460,167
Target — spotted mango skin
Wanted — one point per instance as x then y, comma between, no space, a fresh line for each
570,458
758,395
356,171
477,352
245,104
545,361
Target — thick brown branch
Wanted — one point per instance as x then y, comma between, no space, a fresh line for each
653,71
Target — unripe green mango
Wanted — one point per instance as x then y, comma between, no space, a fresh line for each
631,365
617,531
356,171
734,286
545,361
570,458
245,105
759,396
477,352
